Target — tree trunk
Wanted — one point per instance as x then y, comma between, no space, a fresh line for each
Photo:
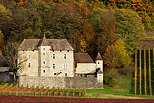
140,72
14,78
135,77
145,81
150,88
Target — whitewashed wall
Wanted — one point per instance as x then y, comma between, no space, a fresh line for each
85,68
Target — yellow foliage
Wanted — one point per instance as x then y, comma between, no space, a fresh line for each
116,56
83,45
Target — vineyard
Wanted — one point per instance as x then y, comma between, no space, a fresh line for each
16,90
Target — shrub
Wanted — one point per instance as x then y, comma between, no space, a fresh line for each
111,77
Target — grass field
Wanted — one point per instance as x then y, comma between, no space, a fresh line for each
124,89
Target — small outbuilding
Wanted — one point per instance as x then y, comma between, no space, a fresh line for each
5,73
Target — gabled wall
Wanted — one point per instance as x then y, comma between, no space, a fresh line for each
83,68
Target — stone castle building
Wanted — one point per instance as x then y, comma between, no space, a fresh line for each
55,58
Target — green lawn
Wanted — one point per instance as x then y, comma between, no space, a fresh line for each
124,88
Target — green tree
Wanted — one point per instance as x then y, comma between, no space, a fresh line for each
105,28
27,22
1,41
130,27
5,19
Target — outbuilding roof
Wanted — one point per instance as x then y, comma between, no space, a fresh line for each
56,44
82,58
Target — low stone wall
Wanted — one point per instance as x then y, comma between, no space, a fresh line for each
61,82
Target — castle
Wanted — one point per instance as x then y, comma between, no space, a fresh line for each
55,58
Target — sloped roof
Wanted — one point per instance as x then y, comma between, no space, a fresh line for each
99,57
99,72
82,58
44,42
56,44
147,43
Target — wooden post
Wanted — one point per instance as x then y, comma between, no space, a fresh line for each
150,88
140,72
135,77
145,80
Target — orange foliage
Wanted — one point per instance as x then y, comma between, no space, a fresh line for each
20,3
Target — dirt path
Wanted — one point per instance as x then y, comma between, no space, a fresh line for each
118,96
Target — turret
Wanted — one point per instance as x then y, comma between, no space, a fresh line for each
99,62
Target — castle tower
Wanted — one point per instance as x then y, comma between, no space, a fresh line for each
99,62
99,68
44,51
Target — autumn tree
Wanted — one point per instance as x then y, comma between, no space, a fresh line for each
116,55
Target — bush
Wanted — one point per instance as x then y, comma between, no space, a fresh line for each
111,77
126,71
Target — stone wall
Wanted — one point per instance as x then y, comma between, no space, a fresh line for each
61,82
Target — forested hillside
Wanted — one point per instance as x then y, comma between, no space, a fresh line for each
112,27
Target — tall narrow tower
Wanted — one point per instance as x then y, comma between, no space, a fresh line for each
44,50
99,68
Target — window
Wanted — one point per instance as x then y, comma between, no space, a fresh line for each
43,48
43,53
64,56
44,71
54,73
53,66
29,65
65,74
43,62
53,56
64,66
